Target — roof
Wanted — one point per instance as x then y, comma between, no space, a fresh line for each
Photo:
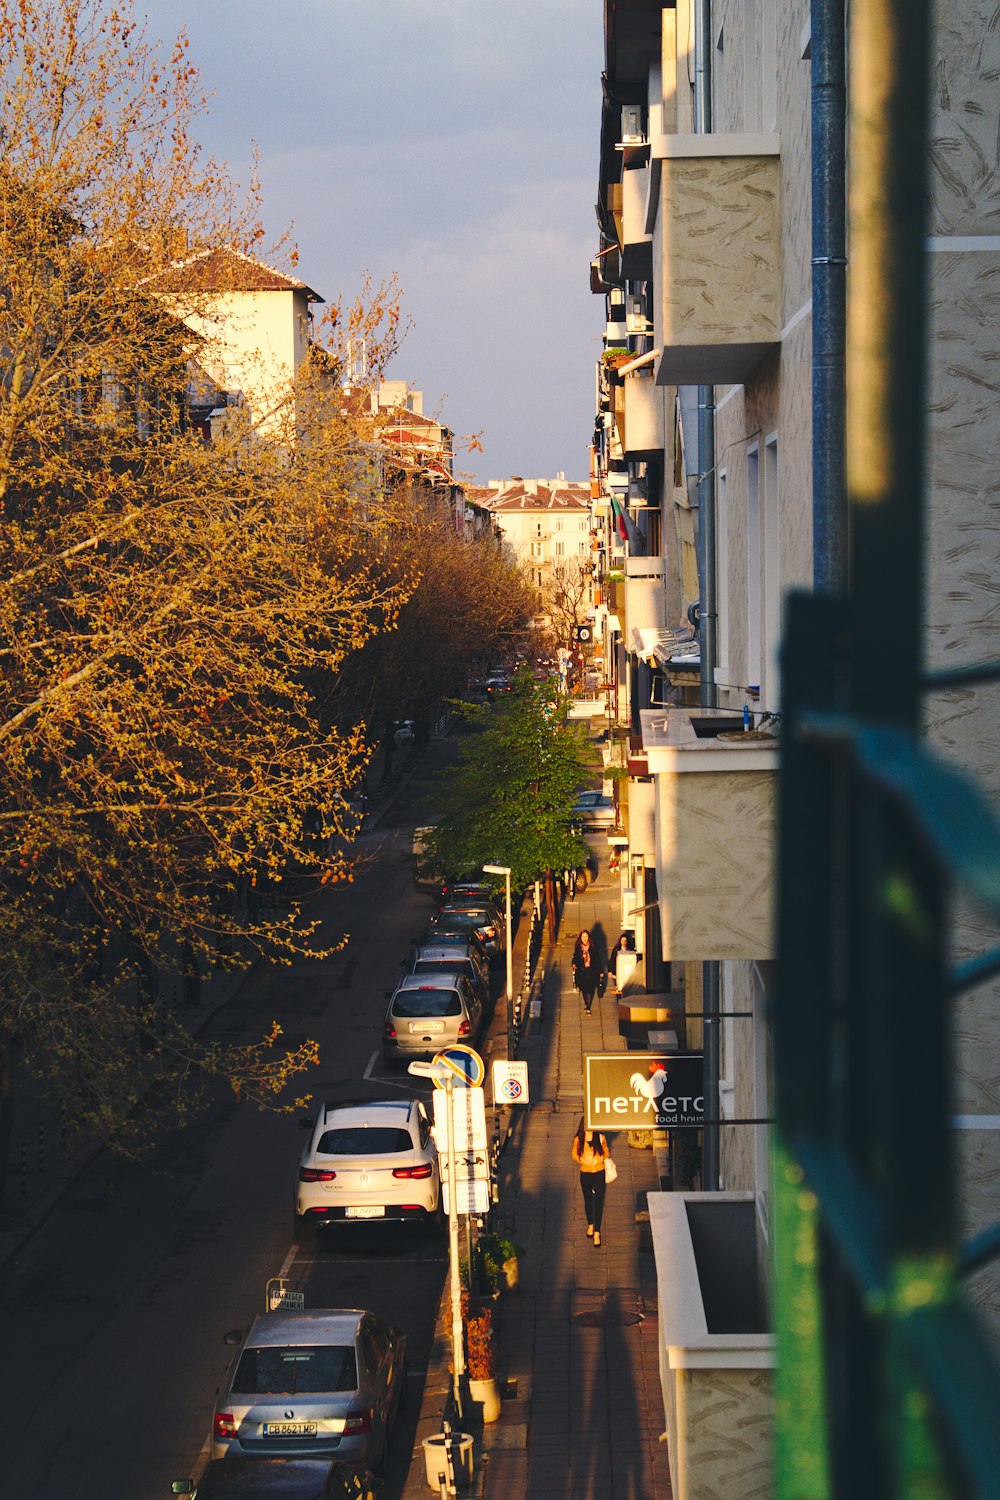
227,271
532,494
315,1325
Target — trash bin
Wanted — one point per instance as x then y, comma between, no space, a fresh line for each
434,1459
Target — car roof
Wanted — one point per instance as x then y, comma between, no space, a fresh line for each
315,1325
365,1112
444,952
444,979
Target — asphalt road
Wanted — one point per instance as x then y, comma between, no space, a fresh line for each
113,1318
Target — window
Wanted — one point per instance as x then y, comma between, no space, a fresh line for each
560,549
772,577
753,568
292,1372
722,574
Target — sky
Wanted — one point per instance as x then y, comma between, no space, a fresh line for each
455,144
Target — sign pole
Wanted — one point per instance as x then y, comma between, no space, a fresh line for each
457,1341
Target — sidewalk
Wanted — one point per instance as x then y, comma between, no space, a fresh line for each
578,1343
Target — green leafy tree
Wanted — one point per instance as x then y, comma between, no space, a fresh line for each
508,801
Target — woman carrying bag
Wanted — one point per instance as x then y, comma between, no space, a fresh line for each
588,971
592,1153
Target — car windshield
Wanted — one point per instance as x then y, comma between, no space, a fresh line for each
427,1003
361,1140
289,1372
442,966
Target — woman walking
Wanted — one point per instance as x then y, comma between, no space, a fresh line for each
590,1152
587,969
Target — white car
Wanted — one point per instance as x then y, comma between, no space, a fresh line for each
367,1162
593,809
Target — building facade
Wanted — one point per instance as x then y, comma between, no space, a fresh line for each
703,473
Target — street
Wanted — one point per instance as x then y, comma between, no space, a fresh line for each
115,1312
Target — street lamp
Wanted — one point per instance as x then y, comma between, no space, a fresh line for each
504,870
444,1074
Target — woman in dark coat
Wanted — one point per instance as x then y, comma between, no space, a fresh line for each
587,969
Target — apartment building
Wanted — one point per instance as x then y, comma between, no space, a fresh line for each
547,524
704,475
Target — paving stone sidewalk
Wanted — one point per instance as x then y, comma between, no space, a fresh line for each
578,1343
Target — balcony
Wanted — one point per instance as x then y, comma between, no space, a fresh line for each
643,425
716,1351
637,241
715,833
714,214
645,598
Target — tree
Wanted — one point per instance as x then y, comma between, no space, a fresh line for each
466,600
508,801
567,593
172,612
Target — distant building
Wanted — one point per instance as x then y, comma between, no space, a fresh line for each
547,524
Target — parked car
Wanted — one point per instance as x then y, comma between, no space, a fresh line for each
428,1012
476,916
326,1382
593,809
461,936
367,1161
244,1478
465,886
454,958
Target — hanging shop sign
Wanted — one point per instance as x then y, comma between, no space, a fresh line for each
644,1090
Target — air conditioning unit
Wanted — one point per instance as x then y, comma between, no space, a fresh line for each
633,130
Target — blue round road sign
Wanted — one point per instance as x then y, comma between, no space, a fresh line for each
466,1064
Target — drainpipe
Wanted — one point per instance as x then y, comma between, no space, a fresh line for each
829,277
708,625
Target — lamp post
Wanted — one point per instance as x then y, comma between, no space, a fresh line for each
504,870
444,1075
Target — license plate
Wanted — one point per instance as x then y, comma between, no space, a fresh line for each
426,1027
290,1429
365,1212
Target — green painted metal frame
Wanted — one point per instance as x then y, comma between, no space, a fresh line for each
887,1386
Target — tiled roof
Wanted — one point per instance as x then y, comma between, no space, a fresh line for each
533,494
227,271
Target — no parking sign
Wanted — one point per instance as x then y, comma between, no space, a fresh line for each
510,1081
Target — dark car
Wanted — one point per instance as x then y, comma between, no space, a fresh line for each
478,916
242,1478
453,958
461,937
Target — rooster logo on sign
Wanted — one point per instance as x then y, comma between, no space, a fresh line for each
652,1088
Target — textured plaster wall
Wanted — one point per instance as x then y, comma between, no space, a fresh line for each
964,529
720,1429
715,837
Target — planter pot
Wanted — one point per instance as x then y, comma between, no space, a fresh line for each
510,1274
434,1460
486,1394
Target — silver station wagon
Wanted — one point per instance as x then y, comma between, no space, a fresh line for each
320,1383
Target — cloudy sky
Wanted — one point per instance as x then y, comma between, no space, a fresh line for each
455,143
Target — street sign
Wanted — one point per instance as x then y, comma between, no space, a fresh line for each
465,1062
471,1197
469,1107
636,1090
510,1081
284,1295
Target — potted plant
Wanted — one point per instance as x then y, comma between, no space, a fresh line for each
481,1361
500,1261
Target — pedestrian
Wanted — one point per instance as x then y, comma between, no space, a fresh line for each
590,1152
625,944
587,969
